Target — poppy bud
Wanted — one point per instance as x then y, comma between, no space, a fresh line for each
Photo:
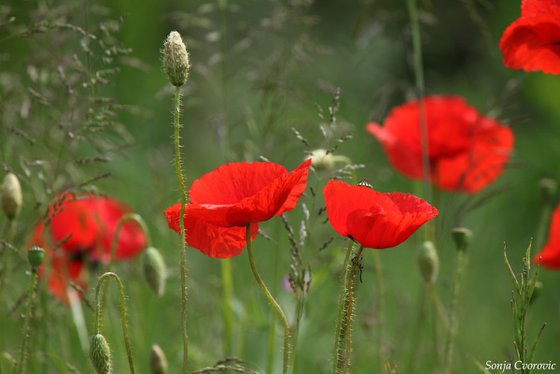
548,189
175,59
428,262
322,160
158,362
154,270
11,196
462,238
35,256
100,354
536,291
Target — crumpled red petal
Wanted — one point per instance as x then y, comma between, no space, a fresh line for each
252,192
212,240
374,219
549,256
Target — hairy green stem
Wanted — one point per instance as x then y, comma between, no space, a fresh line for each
27,330
420,91
380,293
338,344
227,299
273,302
100,308
5,258
115,240
183,188
456,292
300,302
418,329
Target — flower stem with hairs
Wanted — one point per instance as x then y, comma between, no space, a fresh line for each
100,309
27,330
273,302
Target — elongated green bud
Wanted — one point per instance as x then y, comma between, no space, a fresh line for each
462,238
548,188
428,262
12,198
154,270
536,291
158,362
35,256
176,59
100,354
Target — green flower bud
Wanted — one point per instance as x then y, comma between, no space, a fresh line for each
158,362
462,238
35,256
100,354
428,262
154,270
536,292
548,188
11,196
175,59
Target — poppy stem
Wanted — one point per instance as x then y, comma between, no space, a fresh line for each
379,303
420,92
344,333
227,284
272,301
183,188
452,326
5,257
27,330
115,240
100,291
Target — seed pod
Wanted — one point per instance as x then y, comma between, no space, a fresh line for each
154,270
100,354
462,238
35,256
175,59
428,262
158,362
12,199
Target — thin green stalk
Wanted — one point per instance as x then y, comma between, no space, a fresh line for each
271,346
5,262
183,188
543,224
420,92
115,240
345,333
227,299
380,292
300,302
27,330
338,339
272,301
100,308
456,292
418,329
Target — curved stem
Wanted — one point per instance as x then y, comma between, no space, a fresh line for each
183,189
379,290
115,240
24,352
272,301
100,307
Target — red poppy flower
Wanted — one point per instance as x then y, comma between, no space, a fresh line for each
466,150
87,224
549,256
374,219
64,270
233,196
532,42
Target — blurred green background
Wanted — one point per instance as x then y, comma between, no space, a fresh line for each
259,69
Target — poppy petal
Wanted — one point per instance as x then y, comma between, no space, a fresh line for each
213,241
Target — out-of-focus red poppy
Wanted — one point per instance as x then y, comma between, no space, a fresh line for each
64,270
87,224
549,256
532,42
233,196
466,150
374,219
